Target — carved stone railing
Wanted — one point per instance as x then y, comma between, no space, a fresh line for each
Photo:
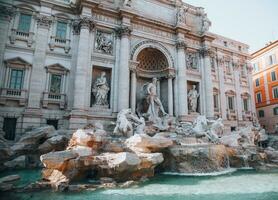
59,42
19,95
21,36
231,114
54,98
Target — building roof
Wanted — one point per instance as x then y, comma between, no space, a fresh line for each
264,49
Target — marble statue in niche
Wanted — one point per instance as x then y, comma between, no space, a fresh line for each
104,42
154,102
191,61
193,96
100,90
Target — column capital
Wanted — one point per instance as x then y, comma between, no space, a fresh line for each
206,51
44,21
181,44
84,22
7,13
123,31
133,66
171,73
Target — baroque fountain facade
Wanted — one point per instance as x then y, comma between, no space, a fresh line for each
85,61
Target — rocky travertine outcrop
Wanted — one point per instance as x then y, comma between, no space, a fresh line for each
146,144
87,154
201,158
26,151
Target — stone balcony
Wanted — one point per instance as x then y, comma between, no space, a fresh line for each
22,36
18,95
54,99
231,114
56,42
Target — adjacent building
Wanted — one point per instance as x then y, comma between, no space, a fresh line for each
71,63
265,83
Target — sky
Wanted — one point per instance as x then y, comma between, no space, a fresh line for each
253,22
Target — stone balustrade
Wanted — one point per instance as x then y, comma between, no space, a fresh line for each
54,98
22,36
60,43
19,95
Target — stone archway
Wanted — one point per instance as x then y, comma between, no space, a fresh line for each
149,61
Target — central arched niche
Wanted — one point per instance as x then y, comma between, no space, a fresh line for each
152,60
152,63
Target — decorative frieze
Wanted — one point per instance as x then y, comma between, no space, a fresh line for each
191,61
154,31
104,42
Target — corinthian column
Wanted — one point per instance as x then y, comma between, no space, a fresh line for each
37,85
223,100
170,94
181,80
123,82
84,25
238,95
208,83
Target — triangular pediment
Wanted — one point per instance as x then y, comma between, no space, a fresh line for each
18,61
57,67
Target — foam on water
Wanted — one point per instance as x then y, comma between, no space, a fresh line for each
222,185
226,171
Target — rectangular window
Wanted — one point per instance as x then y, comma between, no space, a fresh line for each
275,92
55,84
245,104
259,97
9,127
16,79
231,103
255,67
271,59
275,111
61,30
261,113
215,101
24,23
257,82
273,76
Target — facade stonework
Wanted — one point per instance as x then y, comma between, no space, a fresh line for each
53,72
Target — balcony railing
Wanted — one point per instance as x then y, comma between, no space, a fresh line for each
13,94
60,43
22,36
54,98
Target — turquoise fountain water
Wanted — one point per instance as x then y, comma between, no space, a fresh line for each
241,185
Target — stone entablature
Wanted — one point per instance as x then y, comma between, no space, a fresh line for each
130,45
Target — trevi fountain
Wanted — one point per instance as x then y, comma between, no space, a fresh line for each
127,100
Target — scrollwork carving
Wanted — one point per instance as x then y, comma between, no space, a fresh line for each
44,21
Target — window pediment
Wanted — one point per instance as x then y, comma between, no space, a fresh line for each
57,69
230,93
17,62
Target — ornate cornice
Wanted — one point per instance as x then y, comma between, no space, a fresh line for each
44,21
